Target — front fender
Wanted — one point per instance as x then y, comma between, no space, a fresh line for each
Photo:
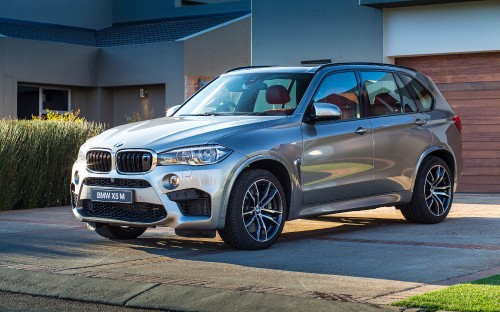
293,182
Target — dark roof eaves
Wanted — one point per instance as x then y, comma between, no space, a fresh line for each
92,37
11,20
179,18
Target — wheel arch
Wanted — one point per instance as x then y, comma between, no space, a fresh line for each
438,151
269,163
280,172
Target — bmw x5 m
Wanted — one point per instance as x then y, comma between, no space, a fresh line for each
261,145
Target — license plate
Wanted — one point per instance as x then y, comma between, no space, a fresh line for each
111,196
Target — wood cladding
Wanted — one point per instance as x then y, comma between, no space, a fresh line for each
471,84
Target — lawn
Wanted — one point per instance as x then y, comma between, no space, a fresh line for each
480,295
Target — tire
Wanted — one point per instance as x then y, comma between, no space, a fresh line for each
432,193
118,232
256,211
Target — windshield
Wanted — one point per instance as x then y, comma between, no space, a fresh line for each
249,94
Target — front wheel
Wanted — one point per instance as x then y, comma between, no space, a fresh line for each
432,193
119,232
256,211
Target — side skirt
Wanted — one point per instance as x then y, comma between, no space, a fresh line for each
365,203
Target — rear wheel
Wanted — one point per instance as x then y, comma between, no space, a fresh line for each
119,232
256,211
432,193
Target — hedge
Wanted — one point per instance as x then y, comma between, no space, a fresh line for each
36,159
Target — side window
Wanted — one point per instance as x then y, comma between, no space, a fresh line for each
383,93
408,102
422,96
341,89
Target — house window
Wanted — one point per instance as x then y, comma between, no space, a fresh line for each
36,100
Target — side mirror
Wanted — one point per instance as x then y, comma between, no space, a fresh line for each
172,110
324,111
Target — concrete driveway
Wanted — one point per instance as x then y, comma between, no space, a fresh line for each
351,261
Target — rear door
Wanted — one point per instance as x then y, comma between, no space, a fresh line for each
400,130
338,155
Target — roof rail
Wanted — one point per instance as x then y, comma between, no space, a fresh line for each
363,63
250,67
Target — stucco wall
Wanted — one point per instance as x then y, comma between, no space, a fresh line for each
288,32
445,28
133,10
148,64
94,14
35,62
126,102
49,63
219,50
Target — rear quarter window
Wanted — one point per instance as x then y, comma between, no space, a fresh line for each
383,92
421,94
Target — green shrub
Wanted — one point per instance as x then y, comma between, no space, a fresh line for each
36,159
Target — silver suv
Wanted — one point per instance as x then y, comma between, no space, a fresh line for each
261,145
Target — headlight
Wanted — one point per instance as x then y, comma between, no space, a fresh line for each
82,154
194,156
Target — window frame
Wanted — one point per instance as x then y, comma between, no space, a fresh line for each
41,111
362,109
408,90
422,109
366,98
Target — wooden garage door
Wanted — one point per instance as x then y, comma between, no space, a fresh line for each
471,84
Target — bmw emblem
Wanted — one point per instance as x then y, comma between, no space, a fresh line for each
118,144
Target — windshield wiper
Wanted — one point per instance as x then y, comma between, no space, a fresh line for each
203,114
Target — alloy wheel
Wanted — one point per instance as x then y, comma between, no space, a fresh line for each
438,190
262,210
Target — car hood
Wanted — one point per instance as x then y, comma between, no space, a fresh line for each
170,132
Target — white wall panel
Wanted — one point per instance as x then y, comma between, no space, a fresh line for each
445,28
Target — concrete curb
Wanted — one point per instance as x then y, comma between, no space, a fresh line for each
82,288
163,296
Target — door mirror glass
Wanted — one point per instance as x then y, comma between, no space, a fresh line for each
325,111
172,110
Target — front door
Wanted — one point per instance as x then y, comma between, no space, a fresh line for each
337,161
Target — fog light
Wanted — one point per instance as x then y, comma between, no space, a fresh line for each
171,181
77,178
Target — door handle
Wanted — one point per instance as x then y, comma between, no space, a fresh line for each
361,130
419,122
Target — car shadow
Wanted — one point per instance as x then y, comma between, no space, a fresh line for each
353,246
338,225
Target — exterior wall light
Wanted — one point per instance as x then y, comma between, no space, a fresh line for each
143,93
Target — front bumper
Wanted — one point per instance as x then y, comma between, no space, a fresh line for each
212,179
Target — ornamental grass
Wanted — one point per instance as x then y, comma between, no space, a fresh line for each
36,157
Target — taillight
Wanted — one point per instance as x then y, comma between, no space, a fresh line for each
458,122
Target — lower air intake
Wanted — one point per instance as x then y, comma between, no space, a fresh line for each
139,212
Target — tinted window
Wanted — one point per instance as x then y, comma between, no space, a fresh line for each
341,89
408,102
383,93
422,96
261,103
249,94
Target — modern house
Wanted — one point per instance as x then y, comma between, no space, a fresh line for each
111,58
